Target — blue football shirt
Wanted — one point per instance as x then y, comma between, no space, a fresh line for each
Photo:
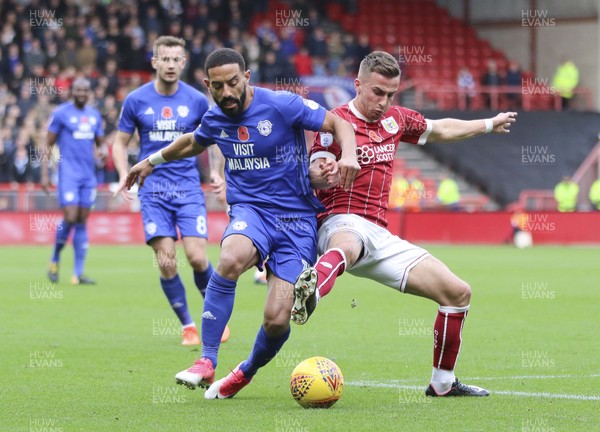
76,130
160,120
265,150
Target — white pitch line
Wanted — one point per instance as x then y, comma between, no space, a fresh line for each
500,378
499,392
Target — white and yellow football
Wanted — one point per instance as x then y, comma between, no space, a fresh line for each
317,382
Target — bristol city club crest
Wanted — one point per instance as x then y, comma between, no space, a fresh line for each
390,125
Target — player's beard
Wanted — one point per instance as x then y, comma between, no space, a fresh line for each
80,101
233,112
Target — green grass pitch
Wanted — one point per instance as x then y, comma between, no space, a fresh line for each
103,358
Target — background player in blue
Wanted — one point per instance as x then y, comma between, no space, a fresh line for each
273,208
77,129
172,198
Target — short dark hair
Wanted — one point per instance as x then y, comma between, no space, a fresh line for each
380,62
223,56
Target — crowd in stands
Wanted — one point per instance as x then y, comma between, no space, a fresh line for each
45,44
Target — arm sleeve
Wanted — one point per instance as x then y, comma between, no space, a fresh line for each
300,112
55,123
202,134
325,146
127,117
416,127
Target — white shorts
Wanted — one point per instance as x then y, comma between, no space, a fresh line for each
386,258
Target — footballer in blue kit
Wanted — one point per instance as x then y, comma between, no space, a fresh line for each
172,201
273,208
77,129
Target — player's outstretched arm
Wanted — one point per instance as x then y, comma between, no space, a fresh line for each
344,134
450,130
182,147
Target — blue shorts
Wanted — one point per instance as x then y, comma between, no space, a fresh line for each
76,192
185,210
289,241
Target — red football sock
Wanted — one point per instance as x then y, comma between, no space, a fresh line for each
331,265
447,336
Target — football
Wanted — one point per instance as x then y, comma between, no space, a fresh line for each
317,382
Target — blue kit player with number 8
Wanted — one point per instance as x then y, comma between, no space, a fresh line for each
172,198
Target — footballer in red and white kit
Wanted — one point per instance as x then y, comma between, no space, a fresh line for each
353,234
362,208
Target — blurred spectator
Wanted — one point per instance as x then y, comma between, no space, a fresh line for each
86,55
271,70
35,56
196,53
51,53
136,60
514,79
415,194
303,63
466,85
336,50
565,79
16,79
152,22
6,155
491,78
12,58
68,55
398,190
288,42
22,170
565,194
351,54
251,52
448,194
594,194
316,44
363,47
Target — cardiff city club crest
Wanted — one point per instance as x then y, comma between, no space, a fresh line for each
183,111
264,127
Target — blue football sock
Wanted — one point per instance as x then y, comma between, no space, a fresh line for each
201,278
265,348
80,244
62,236
175,292
218,305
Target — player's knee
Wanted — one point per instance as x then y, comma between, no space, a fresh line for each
230,265
275,327
198,262
71,219
167,267
461,293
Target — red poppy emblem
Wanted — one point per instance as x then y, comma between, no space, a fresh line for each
375,136
243,134
167,112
